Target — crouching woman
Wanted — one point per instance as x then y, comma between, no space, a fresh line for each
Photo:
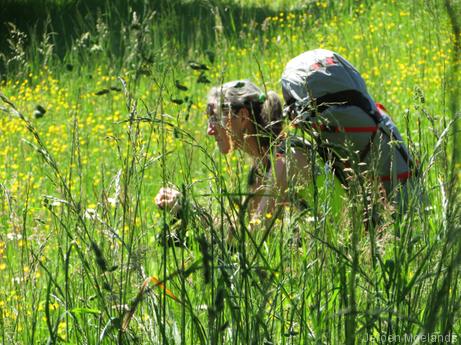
242,117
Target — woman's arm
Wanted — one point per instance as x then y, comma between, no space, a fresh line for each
269,192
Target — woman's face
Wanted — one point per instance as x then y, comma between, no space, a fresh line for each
220,132
229,130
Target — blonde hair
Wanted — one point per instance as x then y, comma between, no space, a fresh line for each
266,110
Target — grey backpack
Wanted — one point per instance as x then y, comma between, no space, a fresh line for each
327,96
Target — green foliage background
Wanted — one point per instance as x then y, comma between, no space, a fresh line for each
79,232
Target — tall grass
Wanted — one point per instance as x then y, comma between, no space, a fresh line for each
85,257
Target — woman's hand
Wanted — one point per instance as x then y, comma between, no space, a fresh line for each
169,198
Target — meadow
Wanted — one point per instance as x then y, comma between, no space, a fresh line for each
102,106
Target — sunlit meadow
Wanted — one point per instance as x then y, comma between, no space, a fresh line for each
87,138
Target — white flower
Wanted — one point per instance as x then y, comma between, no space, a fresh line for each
90,213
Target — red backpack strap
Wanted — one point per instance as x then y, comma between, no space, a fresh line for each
400,177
